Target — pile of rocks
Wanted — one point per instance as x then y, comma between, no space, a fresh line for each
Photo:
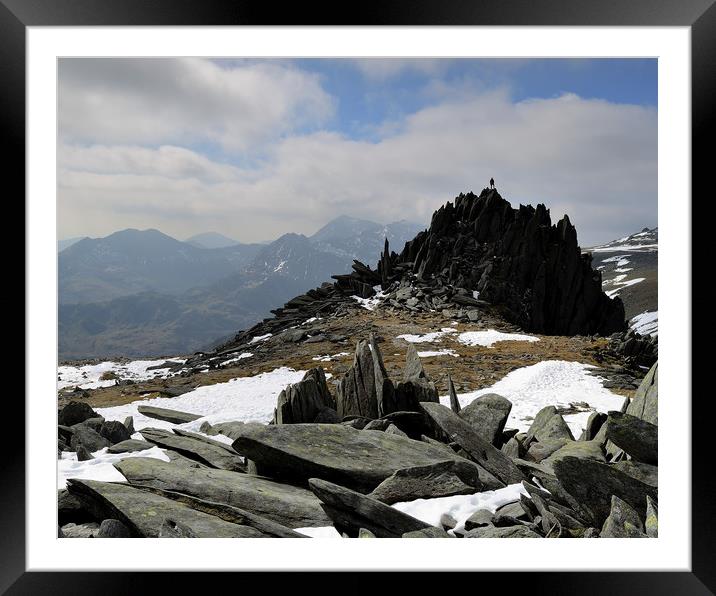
343,460
515,259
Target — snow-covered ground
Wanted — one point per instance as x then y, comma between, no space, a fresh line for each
622,283
241,356
87,377
646,323
427,338
247,399
447,352
371,303
460,507
548,383
330,357
258,338
101,467
490,336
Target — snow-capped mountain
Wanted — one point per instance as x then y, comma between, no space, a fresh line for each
629,268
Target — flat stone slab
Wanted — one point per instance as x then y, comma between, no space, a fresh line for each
145,513
480,450
173,416
638,438
206,451
130,446
444,479
592,484
291,506
355,459
351,511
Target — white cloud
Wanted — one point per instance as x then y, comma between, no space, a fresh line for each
180,100
593,160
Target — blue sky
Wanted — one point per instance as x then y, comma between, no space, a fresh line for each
257,148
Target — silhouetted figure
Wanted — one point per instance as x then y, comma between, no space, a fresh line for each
492,183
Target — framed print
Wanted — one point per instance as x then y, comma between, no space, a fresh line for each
291,277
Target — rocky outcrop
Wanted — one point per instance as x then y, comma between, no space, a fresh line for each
306,400
356,459
515,260
288,505
145,513
487,415
196,447
173,416
444,479
351,511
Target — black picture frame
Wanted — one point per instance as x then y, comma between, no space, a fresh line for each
699,15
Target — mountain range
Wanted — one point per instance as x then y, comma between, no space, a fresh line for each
141,293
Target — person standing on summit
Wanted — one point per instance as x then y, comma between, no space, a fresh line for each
492,183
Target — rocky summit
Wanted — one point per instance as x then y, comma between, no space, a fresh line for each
477,384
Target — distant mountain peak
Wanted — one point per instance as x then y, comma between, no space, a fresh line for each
211,240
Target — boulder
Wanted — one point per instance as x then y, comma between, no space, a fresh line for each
623,521
363,533
351,511
113,528
482,452
645,404
592,484
513,448
85,435
304,401
415,387
579,449
487,415
173,416
82,453
548,425
288,505
638,438
356,394
443,479
356,459
384,388
541,450
413,424
479,519
171,528
594,424
129,424
144,513
327,416
129,446
196,447
114,431
74,413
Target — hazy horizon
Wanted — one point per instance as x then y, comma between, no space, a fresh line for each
254,149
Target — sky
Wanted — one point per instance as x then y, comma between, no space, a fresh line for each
254,148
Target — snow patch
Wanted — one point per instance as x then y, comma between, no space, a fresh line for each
646,323
258,338
460,507
548,383
446,352
428,338
101,467
490,337
87,376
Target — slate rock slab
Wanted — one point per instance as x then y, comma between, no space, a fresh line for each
197,447
357,459
144,513
443,479
592,484
623,522
636,437
480,450
173,416
487,415
351,511
130,446
288,505
74,413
